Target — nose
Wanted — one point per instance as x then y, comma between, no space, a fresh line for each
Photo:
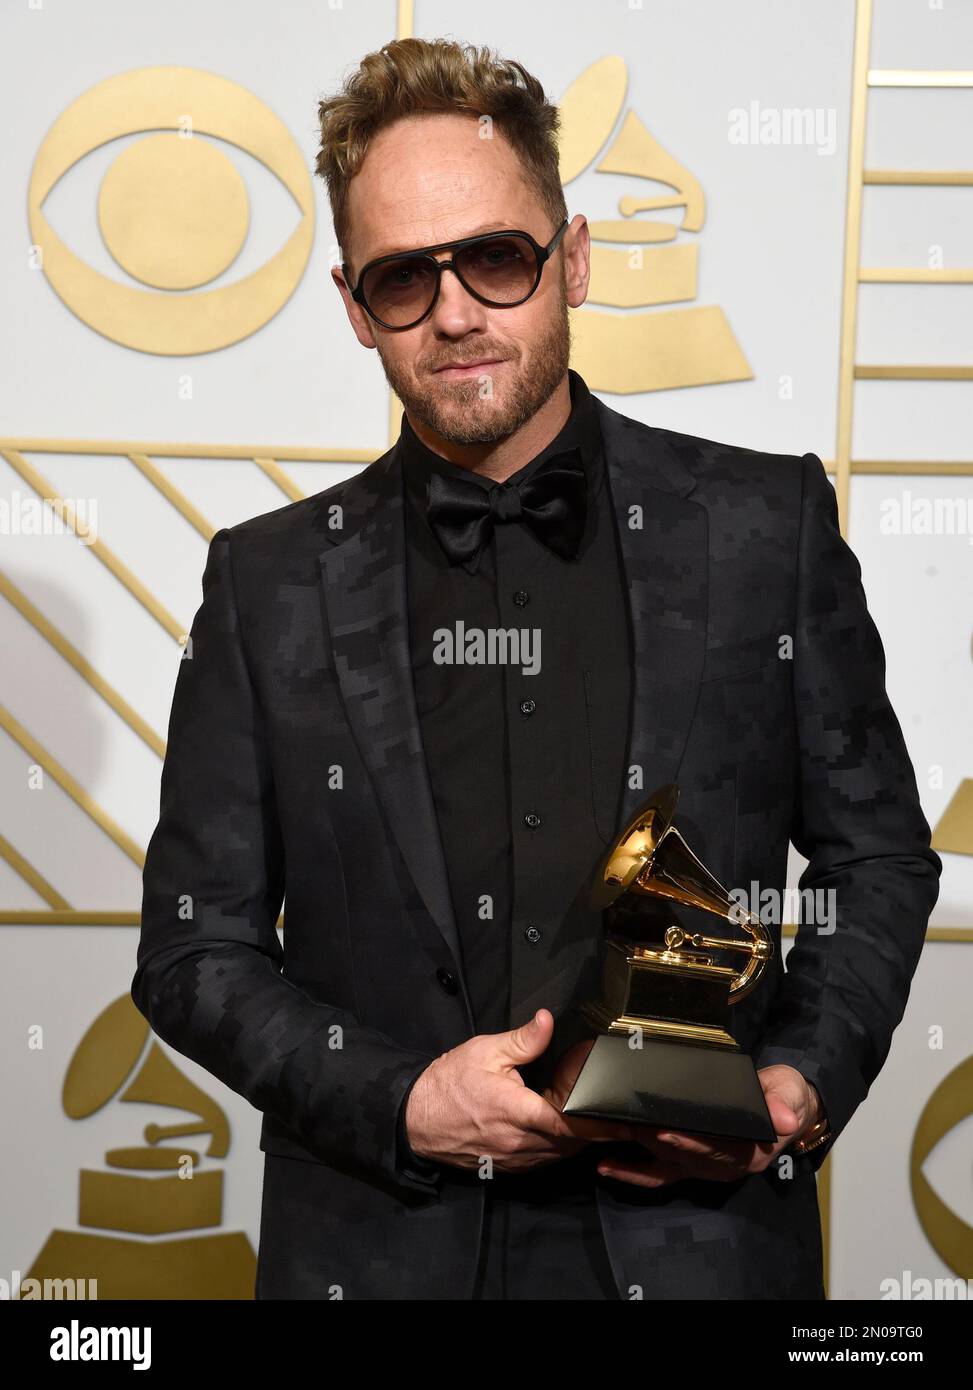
455,311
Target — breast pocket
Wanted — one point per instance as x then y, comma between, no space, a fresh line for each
742,657
607,725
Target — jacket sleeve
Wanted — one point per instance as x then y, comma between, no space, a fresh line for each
858,822
208,975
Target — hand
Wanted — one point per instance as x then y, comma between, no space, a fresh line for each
472,1103
794,1106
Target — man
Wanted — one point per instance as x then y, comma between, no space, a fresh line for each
424,700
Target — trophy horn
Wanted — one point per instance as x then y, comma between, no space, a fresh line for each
634,847
652,857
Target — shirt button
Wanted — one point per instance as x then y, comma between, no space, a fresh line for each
532,934
447,980
521,597
532,820
527,706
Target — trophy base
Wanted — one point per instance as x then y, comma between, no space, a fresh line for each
605,1020
707,1090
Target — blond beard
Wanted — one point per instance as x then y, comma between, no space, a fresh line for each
459,413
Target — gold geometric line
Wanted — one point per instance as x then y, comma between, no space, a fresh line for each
10,916
852,258
962,934
313,456
299,456
112,447
395,416
107,557
923,178
896,466
824,1179
277,475
30,875
73,788
914,275
901,372
172,494
404,19
918,77
83,667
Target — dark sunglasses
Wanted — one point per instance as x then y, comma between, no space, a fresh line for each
501,269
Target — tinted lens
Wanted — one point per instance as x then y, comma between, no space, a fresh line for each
400,291
503,271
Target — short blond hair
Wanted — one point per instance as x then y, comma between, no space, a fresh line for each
410,77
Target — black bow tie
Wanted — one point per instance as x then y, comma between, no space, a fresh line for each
552,501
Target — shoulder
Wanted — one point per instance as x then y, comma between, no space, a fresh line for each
296,534
309,517
709,470
718,464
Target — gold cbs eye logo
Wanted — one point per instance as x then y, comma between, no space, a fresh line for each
950,1104
172,209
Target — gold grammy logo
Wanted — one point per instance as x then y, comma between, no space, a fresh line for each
954,831
152,1190
655,350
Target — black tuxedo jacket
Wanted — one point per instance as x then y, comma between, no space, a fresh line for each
295,761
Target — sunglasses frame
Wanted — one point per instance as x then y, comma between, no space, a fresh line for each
542,254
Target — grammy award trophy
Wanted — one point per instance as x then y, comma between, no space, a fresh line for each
663,1054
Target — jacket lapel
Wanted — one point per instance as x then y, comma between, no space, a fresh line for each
664,546
364,579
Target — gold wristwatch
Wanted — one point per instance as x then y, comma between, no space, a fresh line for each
817,1135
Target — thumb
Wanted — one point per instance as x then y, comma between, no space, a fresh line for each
527,1042
783,1115
784,1091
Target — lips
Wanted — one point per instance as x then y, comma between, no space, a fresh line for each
460,369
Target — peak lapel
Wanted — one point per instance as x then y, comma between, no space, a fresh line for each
363,575
664,543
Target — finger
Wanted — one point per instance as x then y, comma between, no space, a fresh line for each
662,1171
641,1174
713,1159
596,1131
534,1111
524,1044
722,1168
785,1121
681,1146
782,1102
528,1110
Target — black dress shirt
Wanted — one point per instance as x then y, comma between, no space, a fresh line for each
527,769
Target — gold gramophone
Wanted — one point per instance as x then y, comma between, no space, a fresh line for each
150,1220
664,1054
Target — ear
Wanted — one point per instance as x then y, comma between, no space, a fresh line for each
576,245
357,317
